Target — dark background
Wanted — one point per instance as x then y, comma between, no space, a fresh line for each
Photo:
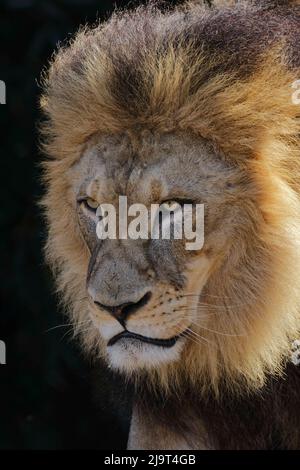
48,398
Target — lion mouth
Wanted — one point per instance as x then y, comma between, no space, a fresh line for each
166,343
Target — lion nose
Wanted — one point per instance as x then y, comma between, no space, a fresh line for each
123,311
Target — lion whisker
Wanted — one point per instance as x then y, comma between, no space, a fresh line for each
217,332
77,331
64,325
198,336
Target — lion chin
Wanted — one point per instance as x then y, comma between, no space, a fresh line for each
133,355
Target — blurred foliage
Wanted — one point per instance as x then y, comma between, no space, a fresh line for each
46,392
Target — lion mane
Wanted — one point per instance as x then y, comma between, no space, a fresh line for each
223,72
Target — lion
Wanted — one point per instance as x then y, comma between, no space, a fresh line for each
174,105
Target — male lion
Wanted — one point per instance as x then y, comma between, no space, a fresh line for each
191,104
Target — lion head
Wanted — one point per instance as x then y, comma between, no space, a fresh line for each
149,106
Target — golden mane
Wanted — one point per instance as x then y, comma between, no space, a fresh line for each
154,70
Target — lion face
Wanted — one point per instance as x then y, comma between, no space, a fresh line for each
145,296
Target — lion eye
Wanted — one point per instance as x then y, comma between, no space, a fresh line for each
91,204
171,205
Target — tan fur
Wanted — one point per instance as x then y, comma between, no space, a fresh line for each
254,124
